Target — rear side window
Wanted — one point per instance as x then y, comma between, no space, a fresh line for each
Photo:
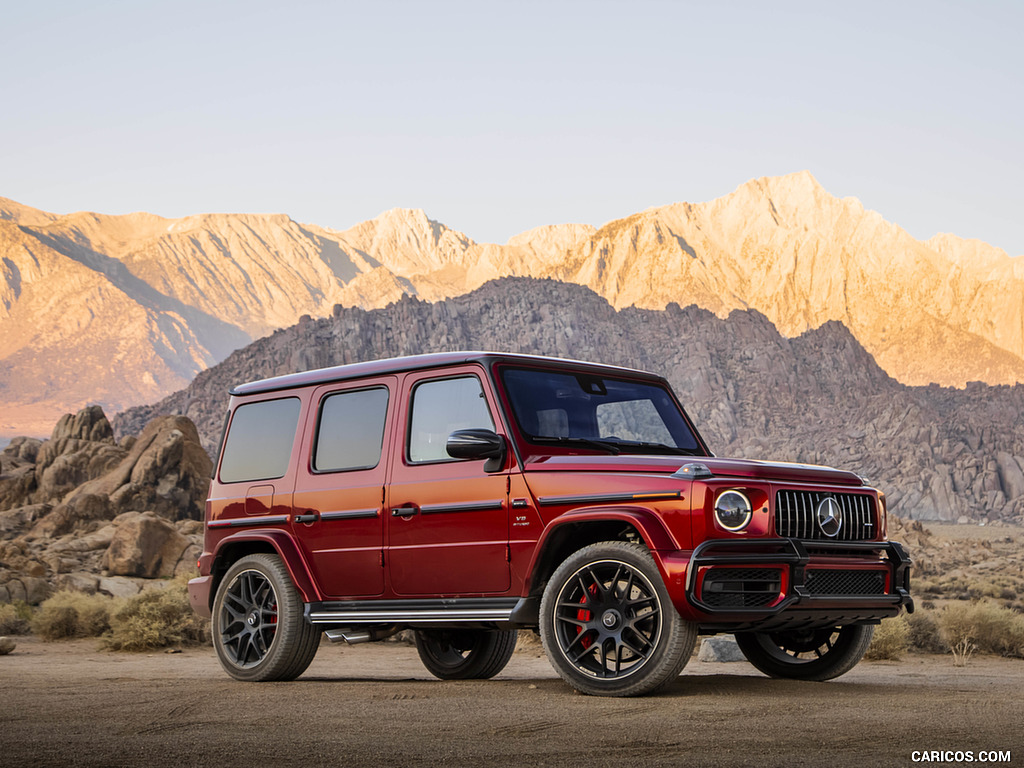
438,409
351,430
260,438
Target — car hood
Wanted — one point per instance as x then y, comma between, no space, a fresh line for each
739,468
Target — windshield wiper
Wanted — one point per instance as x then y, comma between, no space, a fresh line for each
660,447
601,445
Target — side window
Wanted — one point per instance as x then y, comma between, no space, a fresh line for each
438,409
350,434
259,442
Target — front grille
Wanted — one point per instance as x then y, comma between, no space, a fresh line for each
741,587
833,582
796,515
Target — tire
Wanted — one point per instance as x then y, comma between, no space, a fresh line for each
259,629
465,654
813,654
608,624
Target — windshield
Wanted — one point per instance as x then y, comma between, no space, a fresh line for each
597,412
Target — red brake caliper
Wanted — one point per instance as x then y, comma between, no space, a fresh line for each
584,615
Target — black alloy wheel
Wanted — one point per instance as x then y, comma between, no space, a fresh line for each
259,630
465,654
809,654
608,625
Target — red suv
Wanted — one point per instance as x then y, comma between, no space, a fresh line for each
469,495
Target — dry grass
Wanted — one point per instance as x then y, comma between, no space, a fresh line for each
15,618
985,625
924,632
157,618
68,614
891,640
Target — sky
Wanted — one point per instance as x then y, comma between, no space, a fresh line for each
497,117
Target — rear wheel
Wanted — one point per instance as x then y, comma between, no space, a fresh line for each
465,654
608,624
811,654
259,629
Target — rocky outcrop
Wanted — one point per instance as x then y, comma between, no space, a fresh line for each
939,453
80,505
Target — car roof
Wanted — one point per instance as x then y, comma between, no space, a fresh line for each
421,362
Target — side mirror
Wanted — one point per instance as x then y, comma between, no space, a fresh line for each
478,444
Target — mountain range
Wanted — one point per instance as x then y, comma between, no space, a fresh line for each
123,310
939,453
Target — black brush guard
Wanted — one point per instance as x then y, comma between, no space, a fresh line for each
800,608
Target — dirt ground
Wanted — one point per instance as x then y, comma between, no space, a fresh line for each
69,704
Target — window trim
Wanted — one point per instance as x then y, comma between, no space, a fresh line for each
313,470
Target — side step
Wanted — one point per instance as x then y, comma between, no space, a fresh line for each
456,611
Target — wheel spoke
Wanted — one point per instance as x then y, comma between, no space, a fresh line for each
641,650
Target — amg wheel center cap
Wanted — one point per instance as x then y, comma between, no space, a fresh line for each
830,517
610,619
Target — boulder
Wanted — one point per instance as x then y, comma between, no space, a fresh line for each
70,517
7,645
722,648
78,581
1010,475
144,545
29,589
119,586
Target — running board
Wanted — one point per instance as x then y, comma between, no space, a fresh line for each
469,610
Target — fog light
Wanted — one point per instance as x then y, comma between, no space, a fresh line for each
732,510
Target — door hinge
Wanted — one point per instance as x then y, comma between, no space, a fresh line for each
381,558
508,554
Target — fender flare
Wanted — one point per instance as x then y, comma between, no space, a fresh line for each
651,527
286,548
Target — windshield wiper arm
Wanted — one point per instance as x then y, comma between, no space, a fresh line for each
600,445
659,446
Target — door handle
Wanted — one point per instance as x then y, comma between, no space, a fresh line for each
407,511
310,517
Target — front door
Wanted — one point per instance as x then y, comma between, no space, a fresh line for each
339,512
447,518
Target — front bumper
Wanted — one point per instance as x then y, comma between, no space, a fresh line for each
770,585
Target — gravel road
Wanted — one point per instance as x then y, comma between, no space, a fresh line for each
68,704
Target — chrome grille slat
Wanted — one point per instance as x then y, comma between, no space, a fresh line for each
796,515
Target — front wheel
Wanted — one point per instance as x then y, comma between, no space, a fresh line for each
811,654
259,629
608,624
465,654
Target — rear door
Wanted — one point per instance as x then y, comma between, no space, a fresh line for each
339,495
447,519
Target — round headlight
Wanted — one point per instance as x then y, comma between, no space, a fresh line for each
732,510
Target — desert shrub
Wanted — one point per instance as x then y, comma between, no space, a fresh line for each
69,614
987,626
924,632
14,618
157,618
891,640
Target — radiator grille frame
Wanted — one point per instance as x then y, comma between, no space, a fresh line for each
796,515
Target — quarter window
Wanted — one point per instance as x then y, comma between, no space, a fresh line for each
259,442
438,409
351,430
